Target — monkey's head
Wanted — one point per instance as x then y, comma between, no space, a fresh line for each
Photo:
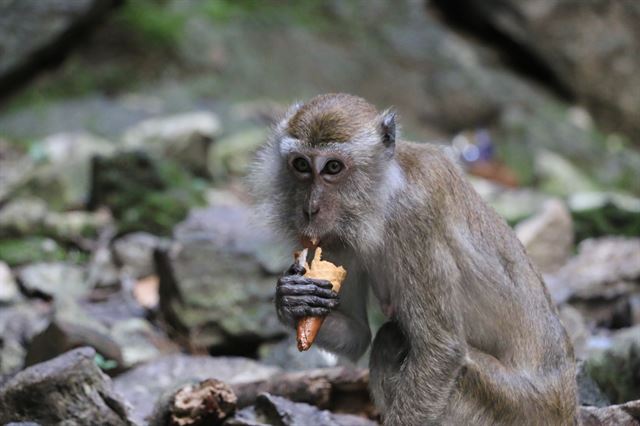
328,171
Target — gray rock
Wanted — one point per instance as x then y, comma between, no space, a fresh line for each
615,365
15,168
604,268
8,288
614,415
213,285
134,254
548,236
589,393
185,138
19,324
567,36
54,280
285,354
69,389
144,385
139,341
231,155
63,176
70,327
275,410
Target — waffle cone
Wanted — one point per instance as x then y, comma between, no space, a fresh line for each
308,327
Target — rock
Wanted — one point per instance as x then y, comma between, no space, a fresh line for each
548,236
18,251
213,285
142,193
70,327
8,288
598,214
185,138
54,280
62,178
231,156
615,367
559,176
102,270
19,324
139,341
604,268
113,307
143,385
15,169
30,216
598,71
615,415
69,389
589,393
270,409
134,253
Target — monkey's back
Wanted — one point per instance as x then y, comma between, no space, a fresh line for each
506,309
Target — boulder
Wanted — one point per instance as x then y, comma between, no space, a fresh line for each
139,341
185,138
567,37
232,155
69,389
142,386
19,324
548,236
8,288
215,286
54,280
605,268
19,251
614,415
34,34
134,254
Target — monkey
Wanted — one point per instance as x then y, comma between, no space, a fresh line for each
471,335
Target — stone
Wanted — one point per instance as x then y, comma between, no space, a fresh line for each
614,415
605,268
8,288
19,324
185,138
548,236
615,366
214,286
69,389
54,280
31,216
589,393
270,409
139,341
71,327
15,168
231,155
134,254
599,72
285,354
143,385
63,176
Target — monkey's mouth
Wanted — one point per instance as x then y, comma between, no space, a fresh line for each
309,242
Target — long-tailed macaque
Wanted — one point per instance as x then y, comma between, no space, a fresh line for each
472,337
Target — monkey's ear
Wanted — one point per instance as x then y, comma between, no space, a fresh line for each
388,128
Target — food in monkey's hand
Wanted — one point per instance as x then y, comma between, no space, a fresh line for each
308,327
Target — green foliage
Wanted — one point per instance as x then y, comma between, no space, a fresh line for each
154,21
144,194
605,220
20,251
304,12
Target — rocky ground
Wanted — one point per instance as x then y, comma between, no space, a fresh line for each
136,283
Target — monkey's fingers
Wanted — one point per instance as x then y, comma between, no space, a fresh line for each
301,280
312,301
293,289
296,269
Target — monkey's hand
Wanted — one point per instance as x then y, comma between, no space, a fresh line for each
298,296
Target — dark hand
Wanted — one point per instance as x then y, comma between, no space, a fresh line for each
298,296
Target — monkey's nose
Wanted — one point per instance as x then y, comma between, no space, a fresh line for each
310,211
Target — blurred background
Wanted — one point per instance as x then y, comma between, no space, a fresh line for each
126,127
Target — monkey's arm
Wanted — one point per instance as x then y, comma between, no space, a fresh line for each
346,329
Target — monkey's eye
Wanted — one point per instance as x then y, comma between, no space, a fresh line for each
333,167
301,165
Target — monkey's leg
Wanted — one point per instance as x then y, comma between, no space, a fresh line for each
387,354
524,398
